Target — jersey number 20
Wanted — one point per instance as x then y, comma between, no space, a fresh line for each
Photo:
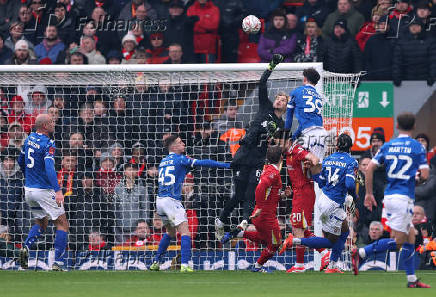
312,106
165,173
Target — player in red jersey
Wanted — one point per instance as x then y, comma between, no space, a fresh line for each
303,200
264,216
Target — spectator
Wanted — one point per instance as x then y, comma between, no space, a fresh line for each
342,54
11,189
311,47
291,22
377,139
419,220
110,6
62,125
25,17
180,28
96,241
107,178
141,235
16,135
368,29
129,11
399,19
157,54
3,131
360,191
51,45
129,44
345,10
114,57
77,58
365,8
131,202
5,52
38,101
16,31
277,40
232,13
18,114
230,119
374,233
87,47
191,201
7,247
175,54
21,54
205,30
121,123
425,141
108,39
312,9
83,154
65,23
117,152
413,57
8,13
423,14
137,30
158,228
425,195
67,176
377,55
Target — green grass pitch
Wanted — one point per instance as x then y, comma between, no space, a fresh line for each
207,283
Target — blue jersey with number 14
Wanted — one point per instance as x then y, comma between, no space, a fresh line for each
402,157
307,105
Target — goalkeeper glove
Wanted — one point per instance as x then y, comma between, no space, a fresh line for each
277,58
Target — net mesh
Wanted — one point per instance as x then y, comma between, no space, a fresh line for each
107,121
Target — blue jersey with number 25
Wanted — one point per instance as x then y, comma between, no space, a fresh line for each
308,107
402,157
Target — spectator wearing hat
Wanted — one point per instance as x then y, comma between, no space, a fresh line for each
87,47
5,52
114,57
129,44
368,29
16,33
344,11
131,202
310,48
130,10
423,13
50,46
342,54
180,29
425,141
158,53
77,58
205,30
11,189
377,55
38,102
312,9
21,54
16,135
413,57
18,114
277,40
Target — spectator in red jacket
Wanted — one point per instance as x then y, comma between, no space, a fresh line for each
96,241
141,236
18,114
205,30
157,54
107,178
368,29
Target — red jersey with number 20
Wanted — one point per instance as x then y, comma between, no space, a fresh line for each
294,163
268,192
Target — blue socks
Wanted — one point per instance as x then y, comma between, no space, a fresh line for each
163,245
408,257
33,235
381,245
185,249
60,245
338,247
316,242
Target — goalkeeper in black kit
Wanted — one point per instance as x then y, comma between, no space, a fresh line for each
249,160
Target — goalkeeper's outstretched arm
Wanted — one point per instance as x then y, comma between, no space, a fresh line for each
264,102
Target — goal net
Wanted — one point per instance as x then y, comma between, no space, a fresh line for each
111,121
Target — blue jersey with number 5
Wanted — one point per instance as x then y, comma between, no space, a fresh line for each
172,171
37,147
402,157
307,105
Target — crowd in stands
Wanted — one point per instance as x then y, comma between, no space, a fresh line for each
390,39
109,143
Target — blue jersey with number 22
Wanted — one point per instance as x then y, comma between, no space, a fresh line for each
402,157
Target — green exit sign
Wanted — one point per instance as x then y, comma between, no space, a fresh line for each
374,100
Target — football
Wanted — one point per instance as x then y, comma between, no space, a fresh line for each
251,24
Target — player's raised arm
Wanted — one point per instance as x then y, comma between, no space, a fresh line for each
264,102
209,163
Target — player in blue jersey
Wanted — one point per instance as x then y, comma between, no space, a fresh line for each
306,104
405,162
336,180
172,171
42,191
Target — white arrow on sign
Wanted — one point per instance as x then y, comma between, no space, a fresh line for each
384,101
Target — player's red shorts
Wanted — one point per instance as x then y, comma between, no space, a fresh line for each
268,230
303,202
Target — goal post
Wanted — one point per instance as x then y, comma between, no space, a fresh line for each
112,120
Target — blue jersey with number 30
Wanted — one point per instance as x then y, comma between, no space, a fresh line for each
307,105
37,147
402,157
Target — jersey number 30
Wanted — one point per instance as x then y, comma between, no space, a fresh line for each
312,106
166,173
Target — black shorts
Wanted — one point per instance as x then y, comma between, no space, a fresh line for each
248,173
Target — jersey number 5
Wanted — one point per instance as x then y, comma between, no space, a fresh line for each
317,105
166,173
30,158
